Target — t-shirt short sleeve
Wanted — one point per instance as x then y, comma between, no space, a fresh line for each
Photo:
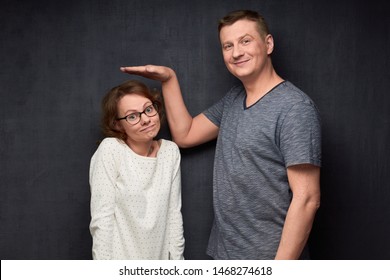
215,112
300,140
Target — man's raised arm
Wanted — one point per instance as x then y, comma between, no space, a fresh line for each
186,130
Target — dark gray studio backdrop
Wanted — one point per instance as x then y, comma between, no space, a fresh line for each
58,58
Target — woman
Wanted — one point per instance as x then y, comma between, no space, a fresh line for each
135,181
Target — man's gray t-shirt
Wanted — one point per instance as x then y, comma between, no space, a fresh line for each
255,145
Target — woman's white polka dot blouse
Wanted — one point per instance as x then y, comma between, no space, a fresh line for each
136,203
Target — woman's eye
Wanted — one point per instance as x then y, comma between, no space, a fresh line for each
132,117
149,109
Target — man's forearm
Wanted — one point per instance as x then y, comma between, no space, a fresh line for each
296,230
178,116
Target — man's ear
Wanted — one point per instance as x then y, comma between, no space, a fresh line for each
269,41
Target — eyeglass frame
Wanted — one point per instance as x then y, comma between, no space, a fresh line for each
155,106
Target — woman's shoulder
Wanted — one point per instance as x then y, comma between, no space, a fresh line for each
169,144
111,144
169,147
109,149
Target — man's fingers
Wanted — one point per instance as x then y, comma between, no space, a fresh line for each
133,69
148,71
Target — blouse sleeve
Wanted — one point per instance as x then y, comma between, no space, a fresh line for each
176,238
103,174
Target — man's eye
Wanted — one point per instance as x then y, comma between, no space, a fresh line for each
227,47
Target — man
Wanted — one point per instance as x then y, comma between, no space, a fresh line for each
268,155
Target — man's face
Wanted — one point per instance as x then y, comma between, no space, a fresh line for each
245,52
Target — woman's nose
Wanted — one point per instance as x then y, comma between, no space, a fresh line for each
144,119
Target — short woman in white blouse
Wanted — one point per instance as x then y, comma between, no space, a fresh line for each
135,181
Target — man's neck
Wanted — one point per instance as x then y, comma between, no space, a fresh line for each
261,85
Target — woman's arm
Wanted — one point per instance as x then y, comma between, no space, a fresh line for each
103,172
176,238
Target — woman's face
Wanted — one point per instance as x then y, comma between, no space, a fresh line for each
147,128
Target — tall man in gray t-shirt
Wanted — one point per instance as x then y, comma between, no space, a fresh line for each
268,156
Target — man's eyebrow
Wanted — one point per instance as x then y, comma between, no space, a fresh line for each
243,36
239,38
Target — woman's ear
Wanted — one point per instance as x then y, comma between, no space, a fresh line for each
118,126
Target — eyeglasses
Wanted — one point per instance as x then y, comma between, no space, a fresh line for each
135,117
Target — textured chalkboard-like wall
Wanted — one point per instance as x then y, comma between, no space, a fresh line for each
58,58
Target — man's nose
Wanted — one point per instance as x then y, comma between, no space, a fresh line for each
237,51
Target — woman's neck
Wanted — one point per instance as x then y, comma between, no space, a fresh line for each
145,149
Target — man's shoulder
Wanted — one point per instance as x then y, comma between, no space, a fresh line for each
294,92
